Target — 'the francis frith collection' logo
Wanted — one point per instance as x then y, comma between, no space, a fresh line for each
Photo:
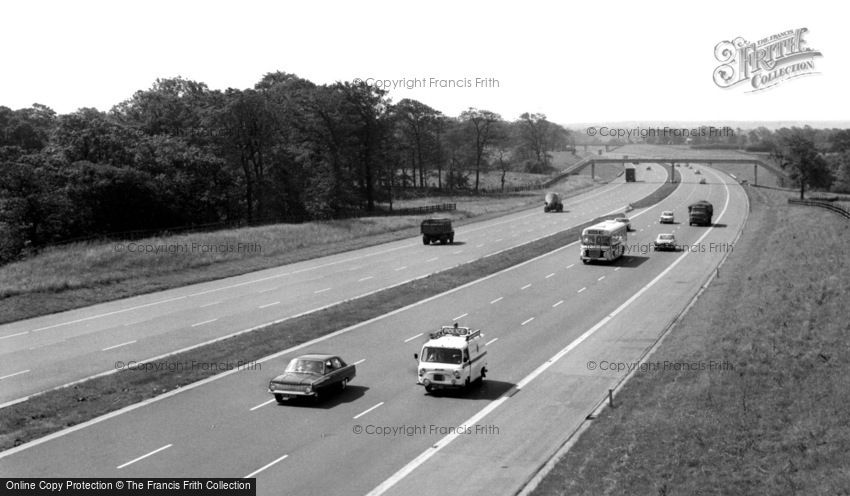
765,63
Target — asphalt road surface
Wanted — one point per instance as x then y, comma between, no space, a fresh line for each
51,351
545,321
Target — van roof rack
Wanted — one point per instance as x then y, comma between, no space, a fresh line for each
463,332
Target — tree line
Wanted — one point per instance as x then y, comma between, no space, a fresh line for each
181,154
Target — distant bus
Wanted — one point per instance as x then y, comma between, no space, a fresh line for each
630,174
604,241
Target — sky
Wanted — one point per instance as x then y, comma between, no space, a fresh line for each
576,63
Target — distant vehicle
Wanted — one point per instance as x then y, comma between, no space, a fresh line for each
553,203
666,217
453,357
700,213
630,174
434,230
697,172
664,241
648,167
311,376
604,241
702,180
626,221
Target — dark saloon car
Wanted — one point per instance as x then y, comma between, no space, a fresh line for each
311,376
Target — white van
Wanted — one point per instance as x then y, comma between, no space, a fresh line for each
453,357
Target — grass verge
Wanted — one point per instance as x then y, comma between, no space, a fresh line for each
55,410
83,274
774,424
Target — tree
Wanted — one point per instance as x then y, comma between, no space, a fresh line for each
90,135
807,166
480,124
504,143
367,110
533,130
173,106
418,125
840,164
248,134
27,128
841,141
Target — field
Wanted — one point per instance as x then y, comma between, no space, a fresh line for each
776,423
82,274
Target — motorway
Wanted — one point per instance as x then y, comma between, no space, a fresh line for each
544,320
55,350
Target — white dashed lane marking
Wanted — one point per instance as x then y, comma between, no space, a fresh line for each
144,456
367,411
205,322
118,345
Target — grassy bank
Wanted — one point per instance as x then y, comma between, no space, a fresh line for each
776,423
82,274
55,410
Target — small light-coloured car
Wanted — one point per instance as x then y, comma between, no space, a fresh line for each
666,217
665,241
626,221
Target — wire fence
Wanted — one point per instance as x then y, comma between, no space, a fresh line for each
822,204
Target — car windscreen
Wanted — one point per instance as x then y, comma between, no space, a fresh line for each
441,355
302,366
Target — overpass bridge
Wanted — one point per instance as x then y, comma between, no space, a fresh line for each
593,161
